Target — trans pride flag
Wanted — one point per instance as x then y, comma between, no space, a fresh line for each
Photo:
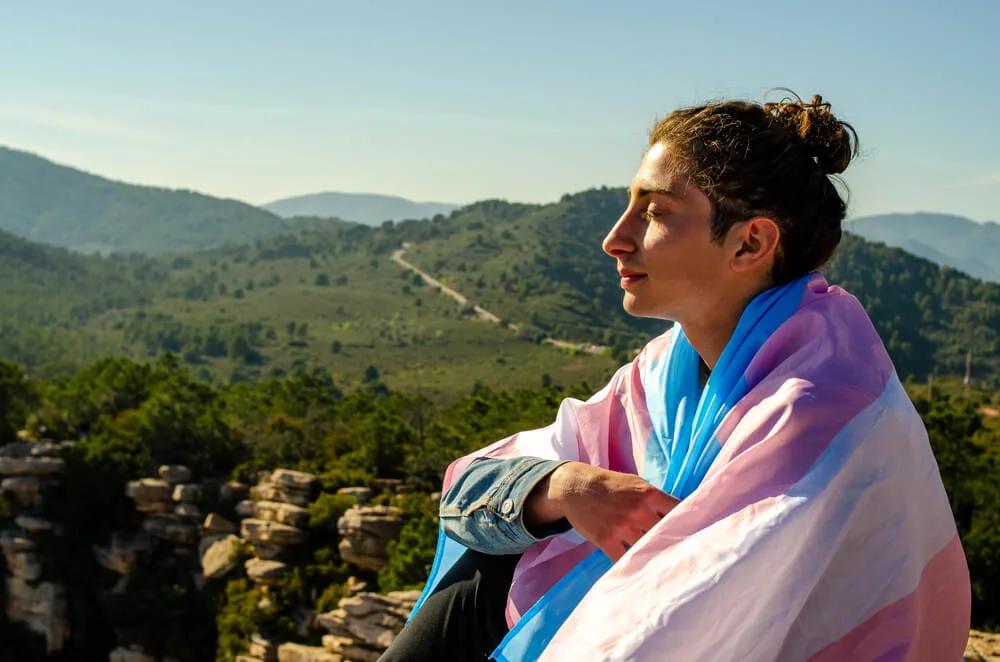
812,525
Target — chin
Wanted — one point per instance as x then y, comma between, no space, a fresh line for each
636,307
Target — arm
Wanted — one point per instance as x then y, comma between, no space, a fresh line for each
484,508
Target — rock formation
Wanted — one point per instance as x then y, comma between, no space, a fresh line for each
365,531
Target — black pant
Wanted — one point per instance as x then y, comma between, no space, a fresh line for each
464,619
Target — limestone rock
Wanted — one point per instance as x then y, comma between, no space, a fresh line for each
216,523
219,558
27,489
174,473
982,647
150,495
122,555
189,493
171,529
284,513
362,494
365,531
290,652
272,492
30,449
371,620
260,571
187,511
350,649
233,491
31,466
33,525
263,649
262,531
246,508
41,608
136,654
295,480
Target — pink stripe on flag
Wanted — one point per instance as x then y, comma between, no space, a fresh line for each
930,624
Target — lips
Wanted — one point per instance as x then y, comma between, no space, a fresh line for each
630,278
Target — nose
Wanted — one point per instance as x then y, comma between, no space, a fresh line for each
619,240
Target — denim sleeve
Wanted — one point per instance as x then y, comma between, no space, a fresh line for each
483,509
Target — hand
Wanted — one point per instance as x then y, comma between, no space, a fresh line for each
610,509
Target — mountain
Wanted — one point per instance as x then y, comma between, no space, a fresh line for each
47,202
367,208
950,240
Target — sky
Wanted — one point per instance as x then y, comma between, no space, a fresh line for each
458,101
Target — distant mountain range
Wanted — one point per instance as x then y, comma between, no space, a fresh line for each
953,241
43,201
367,208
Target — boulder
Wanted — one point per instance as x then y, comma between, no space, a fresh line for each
27,489
372,621
42,608
31,466
219,557
246,508
24,565
982,647
30,449
365,531
295,480
33,525
290,652
350,649
233,491
188,493
150,494
260,571
216,523
175,473
263,649
171,529
122,555
284,513
132,654
262,531
187,511
362,494
272,492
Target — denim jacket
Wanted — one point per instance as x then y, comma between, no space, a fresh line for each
484,508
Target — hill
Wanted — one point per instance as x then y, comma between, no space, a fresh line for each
367,208
47,202
953,241
335,301
543,265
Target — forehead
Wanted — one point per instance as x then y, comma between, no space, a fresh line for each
660,172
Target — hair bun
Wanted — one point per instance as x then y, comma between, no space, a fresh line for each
830,142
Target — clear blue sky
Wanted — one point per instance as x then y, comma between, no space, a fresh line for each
459,101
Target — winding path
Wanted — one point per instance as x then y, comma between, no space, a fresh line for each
481,312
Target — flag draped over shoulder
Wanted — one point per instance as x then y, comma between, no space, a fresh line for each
813,524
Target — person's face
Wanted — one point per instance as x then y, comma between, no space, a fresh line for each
670,267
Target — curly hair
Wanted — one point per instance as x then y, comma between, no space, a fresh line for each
773,160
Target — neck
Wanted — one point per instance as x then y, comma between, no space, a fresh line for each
709,333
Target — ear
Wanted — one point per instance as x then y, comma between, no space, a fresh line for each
753,244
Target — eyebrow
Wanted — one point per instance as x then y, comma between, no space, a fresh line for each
643,192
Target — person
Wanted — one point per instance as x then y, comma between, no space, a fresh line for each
754,485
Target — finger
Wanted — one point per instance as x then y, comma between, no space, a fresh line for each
661,503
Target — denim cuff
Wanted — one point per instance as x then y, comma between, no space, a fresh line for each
484,509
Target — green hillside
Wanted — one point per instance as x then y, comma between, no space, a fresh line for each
334,303
544,265
46,202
